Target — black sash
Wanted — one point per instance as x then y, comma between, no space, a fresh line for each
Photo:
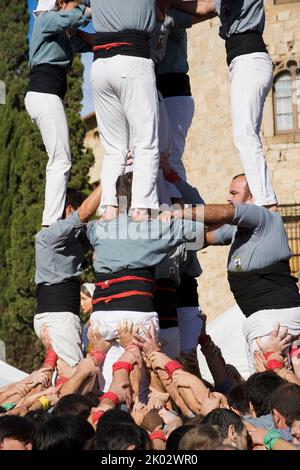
62,297
47,78
244,43
131,42
272,287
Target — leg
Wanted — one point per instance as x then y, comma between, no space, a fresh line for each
113,128
190,324
65,334
48,113
180,110
138,97
251,79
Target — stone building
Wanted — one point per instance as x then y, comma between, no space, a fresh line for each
211,159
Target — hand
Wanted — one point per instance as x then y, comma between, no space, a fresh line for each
148,342
21,389
45,337
170,419
40,376
87,367
64,370
278,341
210,402
157,400
158,360
259,361
96,340
127,332
165,216
295,359
184,379
129,160
139,412
124,394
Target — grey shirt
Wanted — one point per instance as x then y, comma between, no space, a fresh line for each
169,43
239,16
123,244
116,15
50,43
59,254
259,240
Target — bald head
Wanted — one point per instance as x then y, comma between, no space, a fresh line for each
239,190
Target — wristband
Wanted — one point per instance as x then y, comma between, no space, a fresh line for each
60,381
122,365
50,359
271,438
171,366
274,364
44,402
158,435
98,355
8,406
110,396
268,354
96,415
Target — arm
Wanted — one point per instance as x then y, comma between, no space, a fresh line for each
196,8
209,213
82,41
56,21
90,204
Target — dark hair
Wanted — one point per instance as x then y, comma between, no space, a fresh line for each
75,405
65,1
259,388
74,198
203,437
237,399
17,428
286,400
121,436
123,191
238,176
223,419
94,397
63,432
110,420
38,417
175,437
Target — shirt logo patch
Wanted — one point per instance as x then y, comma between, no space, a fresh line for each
238,264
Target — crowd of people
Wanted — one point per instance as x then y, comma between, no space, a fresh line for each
125,375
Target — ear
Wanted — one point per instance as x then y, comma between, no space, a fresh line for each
276,416
252,410
69,210
28,446
232,435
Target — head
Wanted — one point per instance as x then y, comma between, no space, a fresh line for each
122,436
16,433
152,421
123,191
239,190
285,405
175,437
231,427
64,432
38,417
203,437
86,297
295,430
237,400
74,199
67,4
73,404
258,391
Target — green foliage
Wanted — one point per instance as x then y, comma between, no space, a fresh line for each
22,173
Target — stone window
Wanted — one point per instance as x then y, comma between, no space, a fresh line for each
286,96
291,219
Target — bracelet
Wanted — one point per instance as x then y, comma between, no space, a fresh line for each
122,365
50,359
158,435
96,415
274,364
98,355
271,438
110,396
44,402
171,366
268,354
8,406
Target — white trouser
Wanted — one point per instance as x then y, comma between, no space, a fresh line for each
261,323
126,106
170,341
180,110
65,332
48,113
251,77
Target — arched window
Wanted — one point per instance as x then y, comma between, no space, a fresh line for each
287,100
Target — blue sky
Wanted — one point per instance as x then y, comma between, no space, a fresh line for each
87,62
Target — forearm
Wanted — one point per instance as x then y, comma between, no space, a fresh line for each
174,394
90,204
281,444
195,8
73,384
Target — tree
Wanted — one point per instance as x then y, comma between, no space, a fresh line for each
22,173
